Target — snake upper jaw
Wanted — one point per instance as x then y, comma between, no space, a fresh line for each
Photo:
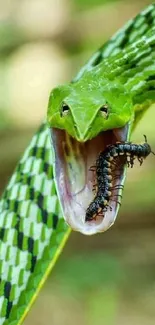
75,180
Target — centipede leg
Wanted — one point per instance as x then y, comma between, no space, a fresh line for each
119,195
92,169
116,202
114,163
128,161
140,159
132,161
116,176
94,188
105,209
117,187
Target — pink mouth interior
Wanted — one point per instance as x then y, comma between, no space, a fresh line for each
75,180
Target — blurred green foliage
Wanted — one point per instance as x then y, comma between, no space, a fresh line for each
87,4
80,271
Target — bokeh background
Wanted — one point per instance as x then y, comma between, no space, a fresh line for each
105,279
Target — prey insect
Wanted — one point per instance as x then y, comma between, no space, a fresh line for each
108,166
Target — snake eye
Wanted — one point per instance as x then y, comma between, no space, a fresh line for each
64,109
104,111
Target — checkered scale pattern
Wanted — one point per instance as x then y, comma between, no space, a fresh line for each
30,221
133,30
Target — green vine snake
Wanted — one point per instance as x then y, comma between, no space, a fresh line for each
51,186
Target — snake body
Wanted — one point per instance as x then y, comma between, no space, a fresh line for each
32,229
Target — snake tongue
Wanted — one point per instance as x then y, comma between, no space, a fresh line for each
75,180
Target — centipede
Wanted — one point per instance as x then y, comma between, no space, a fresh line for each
107,170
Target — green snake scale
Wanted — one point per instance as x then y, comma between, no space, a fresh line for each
32,228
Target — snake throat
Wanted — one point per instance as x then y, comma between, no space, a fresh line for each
75,180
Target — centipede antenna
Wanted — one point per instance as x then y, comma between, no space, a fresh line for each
145,138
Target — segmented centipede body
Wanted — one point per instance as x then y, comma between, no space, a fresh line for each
106,172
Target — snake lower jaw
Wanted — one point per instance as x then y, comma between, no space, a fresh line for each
75,178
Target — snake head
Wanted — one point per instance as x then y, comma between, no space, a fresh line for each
87,107
84,117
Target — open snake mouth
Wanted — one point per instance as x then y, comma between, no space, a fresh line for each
75,180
